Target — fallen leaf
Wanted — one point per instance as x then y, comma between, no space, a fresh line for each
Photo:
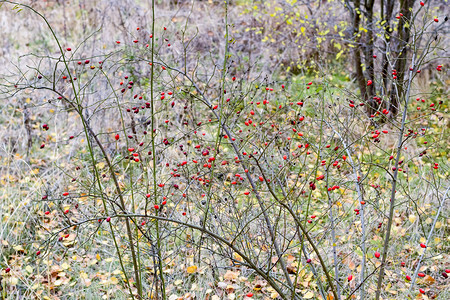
178,282
230,275
114,280
428,280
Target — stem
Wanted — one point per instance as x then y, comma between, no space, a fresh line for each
430,234
88,130
158,239
394,185
252,265
305,232
219,128
360,198
333,240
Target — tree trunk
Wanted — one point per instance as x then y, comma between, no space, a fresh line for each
368,57
401,53
357,58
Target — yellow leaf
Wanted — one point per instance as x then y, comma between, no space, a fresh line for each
18,248
237,257
29,269
191,269
302,29
14,281
114,280
308,295
412,218
93,262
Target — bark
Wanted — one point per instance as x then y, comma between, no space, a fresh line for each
368,56
388,8
357,54
401,53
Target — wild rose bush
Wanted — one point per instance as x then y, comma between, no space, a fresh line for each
169,174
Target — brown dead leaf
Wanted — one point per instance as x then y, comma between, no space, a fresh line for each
291,269
351,265
230,275
428,280
290,258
